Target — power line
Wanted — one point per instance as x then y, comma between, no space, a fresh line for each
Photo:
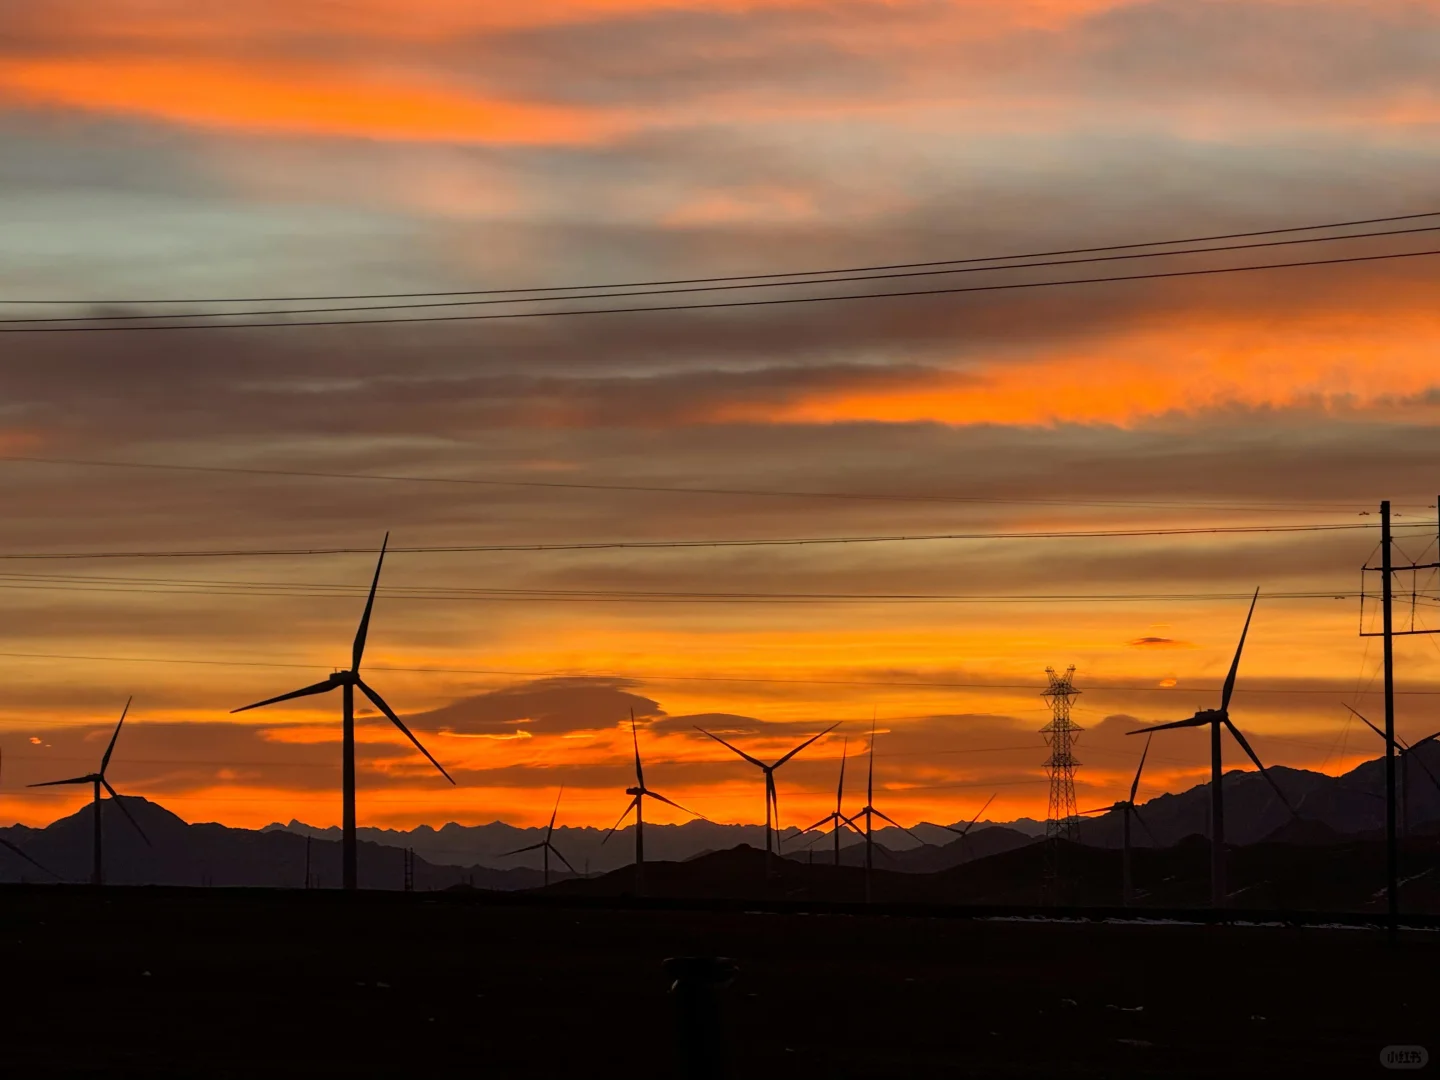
752,277
648,545
951,291
690,289
185,587
678,490
661,677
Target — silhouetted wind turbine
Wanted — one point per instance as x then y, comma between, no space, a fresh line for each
97,780
639,791
772,799
1218,718
347,681
965,832
837,817
871,813
1403,750
545,845
1126,808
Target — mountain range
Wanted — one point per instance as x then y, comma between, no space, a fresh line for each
1330,808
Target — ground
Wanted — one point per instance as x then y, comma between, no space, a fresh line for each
228,983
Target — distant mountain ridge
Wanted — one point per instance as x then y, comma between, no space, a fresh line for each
1332,809
1348,805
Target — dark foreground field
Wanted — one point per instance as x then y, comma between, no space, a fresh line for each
222,983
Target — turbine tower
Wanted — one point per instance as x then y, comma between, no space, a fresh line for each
772,798
837,816
637,803
97,780
1127,807
1217,719
346,682
870,814
545,845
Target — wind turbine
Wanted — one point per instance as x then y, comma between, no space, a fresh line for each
97,780
1126,808
836,817
1218,718
1403,750
347,681
639,791
965,832
545,845
772,799
871,813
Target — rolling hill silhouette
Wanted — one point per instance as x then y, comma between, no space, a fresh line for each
211,854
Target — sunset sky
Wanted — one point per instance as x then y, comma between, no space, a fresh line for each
189,149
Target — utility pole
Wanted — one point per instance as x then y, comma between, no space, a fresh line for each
1387,570
409,864
1392,848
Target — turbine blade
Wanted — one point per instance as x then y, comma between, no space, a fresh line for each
897,825
1144,826
1235,664
675,804
1097,810
314,688
775,802
115,795
72,780
553,812
105,761
635,738
850,823
1421,762
622,817
808,844
1244,745
1368,724
870,781
556,852
978,813
1135,784
27,857
380,704
1198,720
521,850
823,821
804,744
840,788
753,761
360,635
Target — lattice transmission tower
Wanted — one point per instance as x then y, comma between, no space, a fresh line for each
1061,820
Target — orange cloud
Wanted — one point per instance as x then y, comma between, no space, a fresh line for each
292,100
1329,363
